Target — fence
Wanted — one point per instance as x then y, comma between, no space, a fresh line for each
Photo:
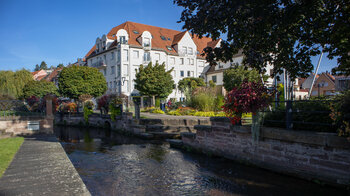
313,115
21,108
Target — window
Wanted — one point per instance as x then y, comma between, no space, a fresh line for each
115,84
163,38
172,60
147,57
104,59
125,55
221,66
136,32
135,54
188,73
181,61
113,70
188,61
184,49
192,73
118,57
213,78
190,51
192,61
146,42
157,56
182,73
112,55
122,40
169,48
104,72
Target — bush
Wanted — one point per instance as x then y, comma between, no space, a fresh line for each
148,109
174,112
115,107
158,111
219,102
341,113
88,105
69,107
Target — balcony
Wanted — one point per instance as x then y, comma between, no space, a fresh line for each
99,65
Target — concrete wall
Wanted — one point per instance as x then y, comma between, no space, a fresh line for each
309,155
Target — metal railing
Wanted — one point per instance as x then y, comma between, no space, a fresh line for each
313,115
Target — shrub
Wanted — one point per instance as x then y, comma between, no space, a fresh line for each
115,107
157,111
69,107
174,112
250,97
219,102
341,113
88,105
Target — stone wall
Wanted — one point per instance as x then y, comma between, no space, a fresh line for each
310,155
18,125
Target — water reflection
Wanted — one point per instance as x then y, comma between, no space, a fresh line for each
120,165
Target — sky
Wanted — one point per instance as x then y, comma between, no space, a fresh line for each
60,31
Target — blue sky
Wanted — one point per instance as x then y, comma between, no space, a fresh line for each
61,31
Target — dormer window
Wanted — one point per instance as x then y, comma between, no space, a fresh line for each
146,42
169,48
122,39
136,32
163,38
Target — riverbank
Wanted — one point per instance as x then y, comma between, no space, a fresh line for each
41,167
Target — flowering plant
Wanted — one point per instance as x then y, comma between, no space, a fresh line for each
248,98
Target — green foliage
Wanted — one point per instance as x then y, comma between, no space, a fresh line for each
115,107
157,111
88,110
8,149
157,102
280,89
288,33
39,89
77,80
341,113
154,80
219,102
203,101
190,83
234,77
43,65
37,67
60,65
12,83
212,84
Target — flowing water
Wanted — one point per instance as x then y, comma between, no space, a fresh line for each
113,164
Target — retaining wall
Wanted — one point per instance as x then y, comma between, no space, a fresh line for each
310,155
18,125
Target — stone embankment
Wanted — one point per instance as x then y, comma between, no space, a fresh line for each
311,155
146,128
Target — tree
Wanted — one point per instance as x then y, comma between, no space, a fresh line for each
39,88
190,83
12,83
37,68
234,77
60,65
154,80
77,80
43,65
286,33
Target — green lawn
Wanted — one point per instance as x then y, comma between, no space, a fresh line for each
8,149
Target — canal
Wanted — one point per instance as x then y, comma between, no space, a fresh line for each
114,164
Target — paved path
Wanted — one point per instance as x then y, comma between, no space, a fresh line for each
41,167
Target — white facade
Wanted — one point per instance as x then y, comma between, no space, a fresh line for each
119,63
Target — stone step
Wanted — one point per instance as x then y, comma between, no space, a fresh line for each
175,143
162,135
169,128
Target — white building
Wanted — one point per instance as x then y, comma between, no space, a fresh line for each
119,53
216,72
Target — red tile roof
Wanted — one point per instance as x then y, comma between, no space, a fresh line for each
53,74
172,37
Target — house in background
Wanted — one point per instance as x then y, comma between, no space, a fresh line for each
216,72
121,52
39,75
53,76
342,83
324,85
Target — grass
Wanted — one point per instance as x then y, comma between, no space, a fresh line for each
8,149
